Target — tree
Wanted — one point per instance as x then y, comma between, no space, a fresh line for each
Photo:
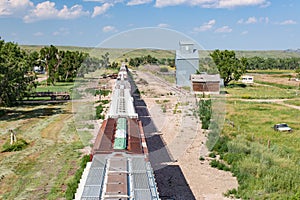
50,58
229,67
16,73
105,60
298,73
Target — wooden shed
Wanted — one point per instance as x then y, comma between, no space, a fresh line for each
206,83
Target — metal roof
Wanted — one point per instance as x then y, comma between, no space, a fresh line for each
122,104
205,78
119,176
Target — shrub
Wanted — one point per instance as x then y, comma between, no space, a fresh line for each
232,192
163,69
73,184
219,165
99,110
2,112
221,145
212,155
17,146
205,112
201,158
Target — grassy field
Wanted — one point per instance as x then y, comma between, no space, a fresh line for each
295,102
56,138
260,91
43,169
58,87
265,162
115,54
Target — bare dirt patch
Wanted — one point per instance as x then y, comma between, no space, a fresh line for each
278,78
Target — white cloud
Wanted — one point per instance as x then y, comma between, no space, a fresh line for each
47,10
238,3
38,34
138,2
109,29
213,3
288,22
162,25
251,20
224,29
99,10
264,20
254,20
206,26
14,7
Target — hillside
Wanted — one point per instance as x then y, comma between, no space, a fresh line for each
123,53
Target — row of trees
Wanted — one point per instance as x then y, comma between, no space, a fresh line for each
272,63
231,68
137,61
17,76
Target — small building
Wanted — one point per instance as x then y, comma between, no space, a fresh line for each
206,83
247,79
186,62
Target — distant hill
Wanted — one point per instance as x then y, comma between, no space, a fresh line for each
120,54
293,50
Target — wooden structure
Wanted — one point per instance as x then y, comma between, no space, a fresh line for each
52,95
205,83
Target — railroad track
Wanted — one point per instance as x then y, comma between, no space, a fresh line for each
166,83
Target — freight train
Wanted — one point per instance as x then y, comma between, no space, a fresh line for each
120,167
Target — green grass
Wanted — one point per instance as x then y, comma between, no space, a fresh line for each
58,87
43,169
265,162
295,102
282,86
17,146
270,72
73,183
260,92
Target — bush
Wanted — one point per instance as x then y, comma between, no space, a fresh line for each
232,192
212,155
163,69
219,165
221,145
205,112
201,158
17,146
73,184
99,110
2,112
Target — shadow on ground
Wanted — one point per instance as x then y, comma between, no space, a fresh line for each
12,114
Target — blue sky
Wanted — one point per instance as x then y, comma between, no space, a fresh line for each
214,24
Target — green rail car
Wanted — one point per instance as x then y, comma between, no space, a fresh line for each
122,124
120,143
